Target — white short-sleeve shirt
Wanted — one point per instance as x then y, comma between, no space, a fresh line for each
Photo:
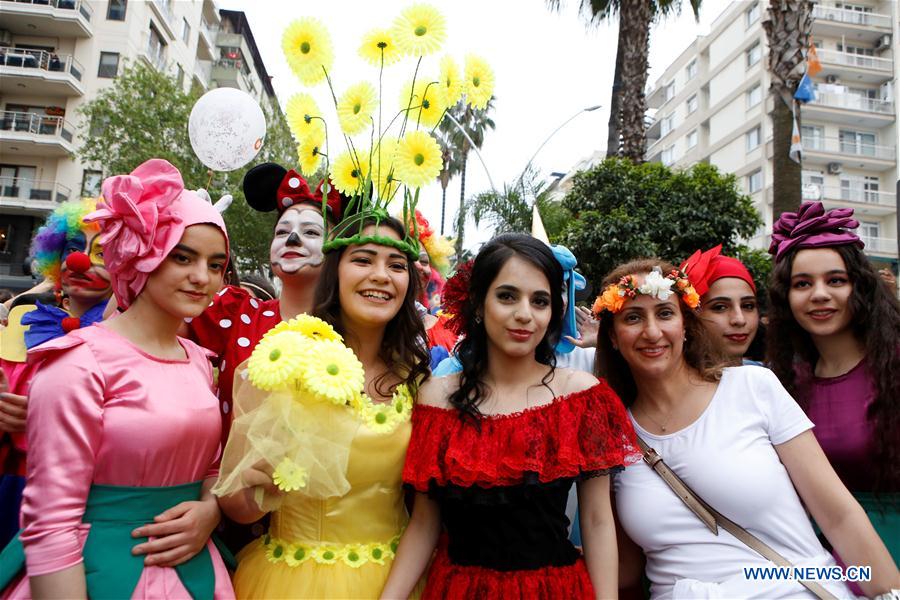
727,457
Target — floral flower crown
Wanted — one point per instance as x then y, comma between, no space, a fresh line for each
401,157
655,285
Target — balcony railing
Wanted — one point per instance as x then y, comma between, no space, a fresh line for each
40,60
36,124
854,102
32,189
78,5
856,60
845,194
879,244
851,17
852,147
163,6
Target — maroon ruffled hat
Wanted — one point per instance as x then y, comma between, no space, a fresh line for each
813,227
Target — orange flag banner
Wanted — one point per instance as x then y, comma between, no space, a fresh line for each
813,65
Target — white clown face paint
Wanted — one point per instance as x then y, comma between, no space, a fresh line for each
297,245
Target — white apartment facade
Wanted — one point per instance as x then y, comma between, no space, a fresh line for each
712,105
55,55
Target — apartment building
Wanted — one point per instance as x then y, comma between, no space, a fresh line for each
712,105
56,55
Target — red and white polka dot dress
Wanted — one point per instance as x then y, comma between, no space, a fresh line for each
231,327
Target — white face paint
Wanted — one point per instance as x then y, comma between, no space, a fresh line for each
298,239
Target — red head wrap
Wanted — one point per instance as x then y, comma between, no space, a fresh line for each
704,268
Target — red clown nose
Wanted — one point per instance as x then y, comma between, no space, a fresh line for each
78,262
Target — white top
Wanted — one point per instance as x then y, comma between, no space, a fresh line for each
727,457
580,359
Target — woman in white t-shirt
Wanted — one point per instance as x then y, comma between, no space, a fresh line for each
735,436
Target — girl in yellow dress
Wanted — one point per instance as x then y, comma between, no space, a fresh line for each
326,461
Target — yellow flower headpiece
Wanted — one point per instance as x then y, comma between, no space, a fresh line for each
655,285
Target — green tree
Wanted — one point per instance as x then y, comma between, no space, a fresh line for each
446,136
144,115
627,129
787,28
623,211
510,210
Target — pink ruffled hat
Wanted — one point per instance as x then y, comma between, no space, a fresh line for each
142,217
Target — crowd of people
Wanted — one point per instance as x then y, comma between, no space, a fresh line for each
372,430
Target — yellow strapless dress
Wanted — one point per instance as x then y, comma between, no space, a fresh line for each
339,547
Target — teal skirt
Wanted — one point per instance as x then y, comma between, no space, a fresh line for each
110,570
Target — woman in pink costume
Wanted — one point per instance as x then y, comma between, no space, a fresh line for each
123,426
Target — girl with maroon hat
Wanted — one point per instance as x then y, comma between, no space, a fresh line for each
836,351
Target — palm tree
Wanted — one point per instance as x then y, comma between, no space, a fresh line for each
445,135
510,210
475,122
787,28
627,129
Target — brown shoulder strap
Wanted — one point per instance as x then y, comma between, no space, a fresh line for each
711,517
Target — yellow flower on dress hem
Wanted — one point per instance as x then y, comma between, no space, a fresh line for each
289,476
275,361
425,103
307,48
325,555
296,554
419,30
356,106
449,81
379,45
418,159
331,371
309,154
378,553
353,555
479,86
304,117
349,171
275,551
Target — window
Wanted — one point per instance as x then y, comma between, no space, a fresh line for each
692,138
669,91
692,104
667,124
185,31
90,183
754,181
156,49
859,189
869,230
752,14
691,69
115,11
109,65
754,53
754,96
857,142
813,137
668,155
753,138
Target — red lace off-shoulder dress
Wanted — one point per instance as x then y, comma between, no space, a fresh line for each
502,486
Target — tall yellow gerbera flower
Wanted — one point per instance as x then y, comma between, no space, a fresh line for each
356,106
348,172
383,170
332,372
379,45
418,159
450,81
479,85
309,153
425,103
307,47
303,116
420,30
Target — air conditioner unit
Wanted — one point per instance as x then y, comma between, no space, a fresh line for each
5,37
834,168
883,42
831,79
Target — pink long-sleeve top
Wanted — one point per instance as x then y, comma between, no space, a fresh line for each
101,410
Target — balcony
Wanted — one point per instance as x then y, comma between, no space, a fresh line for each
203,73
39,73
38,135
48,18
850,109
865,202
831,21
855,67
206,45
227,72
825,150
32,196
163,10
879,245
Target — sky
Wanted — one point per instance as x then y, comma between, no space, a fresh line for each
548,66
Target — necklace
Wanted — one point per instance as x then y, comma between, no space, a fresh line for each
662,426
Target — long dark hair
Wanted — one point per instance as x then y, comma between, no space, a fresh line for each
472,350
875,323
404,347
701,352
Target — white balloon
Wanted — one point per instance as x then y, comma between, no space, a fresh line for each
227,128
